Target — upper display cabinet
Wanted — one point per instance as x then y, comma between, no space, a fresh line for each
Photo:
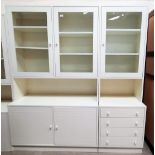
76,41
31,41
123,43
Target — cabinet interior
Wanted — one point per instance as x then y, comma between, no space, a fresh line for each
75,21
121,88
29,19
6,93
55,87
122,63
78,63
32,60
124,20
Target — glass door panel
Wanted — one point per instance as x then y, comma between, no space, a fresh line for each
123,32
31,41
76,41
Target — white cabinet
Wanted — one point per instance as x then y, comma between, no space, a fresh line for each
31,126
123,41
30,30
121,123
57,126
5,74
76,40
76,126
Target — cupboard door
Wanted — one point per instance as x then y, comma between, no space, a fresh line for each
31,126
75,126
123,40
31,40
76,41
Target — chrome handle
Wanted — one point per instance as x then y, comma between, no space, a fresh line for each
56,127
108,114
107,124
137,114
107,133
135,143
107,142
49,45
56,45
136,124
50,127
135,134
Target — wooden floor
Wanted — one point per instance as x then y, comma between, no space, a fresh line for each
146,151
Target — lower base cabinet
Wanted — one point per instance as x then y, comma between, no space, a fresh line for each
54,126
76,127
31,126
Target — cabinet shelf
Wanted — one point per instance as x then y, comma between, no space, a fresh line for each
75,34
76,53
31,47
112,53
30,27
123,30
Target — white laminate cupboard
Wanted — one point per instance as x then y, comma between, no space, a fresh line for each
53,126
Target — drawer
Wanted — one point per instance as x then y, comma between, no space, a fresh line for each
121,142
122,122
121,132
122,112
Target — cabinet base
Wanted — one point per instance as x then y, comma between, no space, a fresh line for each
72,149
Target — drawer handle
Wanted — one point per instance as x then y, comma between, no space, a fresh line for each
107,124
136,124
137,114
50,127
107,142
108,114
135,143
135,134
107,133
56,127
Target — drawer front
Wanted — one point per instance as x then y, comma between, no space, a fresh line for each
121,142
121,132
122,112
122,122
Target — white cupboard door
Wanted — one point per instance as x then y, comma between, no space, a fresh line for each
31,126
76,126
31,49
76,41
123,41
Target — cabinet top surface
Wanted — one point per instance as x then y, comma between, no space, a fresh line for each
79,101
120,102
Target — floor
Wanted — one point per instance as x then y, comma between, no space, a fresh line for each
146,151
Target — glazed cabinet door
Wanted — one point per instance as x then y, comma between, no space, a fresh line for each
75,126
31,126
5,75
123,41
30,30
76,41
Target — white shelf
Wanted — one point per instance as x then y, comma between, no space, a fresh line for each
31,47
30,27
123,30
112,53
75,34
120,102
76,53
80,101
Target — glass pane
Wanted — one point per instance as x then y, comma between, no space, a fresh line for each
124,20
121,63
3,76
34,37
122,42
32,60
29,19
75,21
70,63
